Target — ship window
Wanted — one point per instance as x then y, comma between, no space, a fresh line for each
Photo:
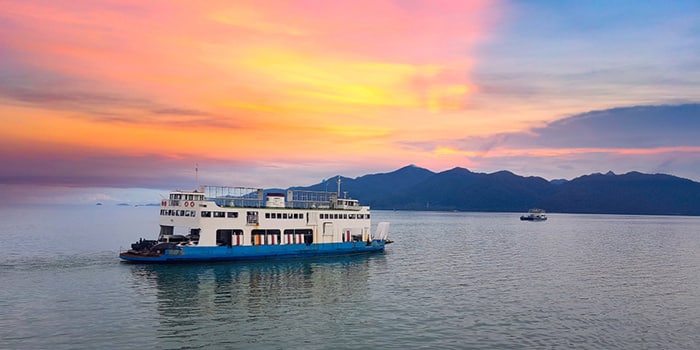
284,216
267,215
279,215
252,218
166,230
352,216
206,214
345,216
219,214
232,214
367,216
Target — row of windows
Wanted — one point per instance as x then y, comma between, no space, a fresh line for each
187,197
253,215
344,216
205,214
284,216
322,216
219,214
170,212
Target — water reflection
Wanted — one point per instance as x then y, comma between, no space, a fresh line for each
240,302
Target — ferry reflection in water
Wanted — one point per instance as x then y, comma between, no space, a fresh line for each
276,302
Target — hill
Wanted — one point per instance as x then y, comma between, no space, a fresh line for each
415,188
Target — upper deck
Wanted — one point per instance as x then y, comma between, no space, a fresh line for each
245,197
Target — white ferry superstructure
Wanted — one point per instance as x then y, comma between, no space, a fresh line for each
219,223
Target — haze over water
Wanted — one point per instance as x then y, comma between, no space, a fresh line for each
451,280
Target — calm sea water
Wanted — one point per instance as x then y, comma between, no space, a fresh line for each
451,281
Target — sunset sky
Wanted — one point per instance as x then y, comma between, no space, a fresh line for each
122,100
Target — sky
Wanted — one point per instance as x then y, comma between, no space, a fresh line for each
121,101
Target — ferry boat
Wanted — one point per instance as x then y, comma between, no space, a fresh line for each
218,223
534,215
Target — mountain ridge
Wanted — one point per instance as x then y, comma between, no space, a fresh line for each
416,188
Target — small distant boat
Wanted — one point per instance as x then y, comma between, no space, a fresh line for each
534,215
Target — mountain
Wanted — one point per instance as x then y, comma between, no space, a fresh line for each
415,188
374,189
631,193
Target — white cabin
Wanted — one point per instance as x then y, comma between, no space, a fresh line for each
237,216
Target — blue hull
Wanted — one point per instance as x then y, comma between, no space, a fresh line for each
258,252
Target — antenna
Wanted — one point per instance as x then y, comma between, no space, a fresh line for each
338,186
196,174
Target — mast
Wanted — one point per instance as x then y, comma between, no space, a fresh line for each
338,186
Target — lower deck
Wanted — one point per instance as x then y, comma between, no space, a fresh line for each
176,253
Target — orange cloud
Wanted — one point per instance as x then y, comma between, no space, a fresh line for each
244,81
